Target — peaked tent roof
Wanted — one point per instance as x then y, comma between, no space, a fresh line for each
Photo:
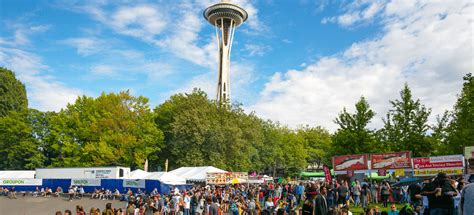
23,174
138,174
196,173
167,178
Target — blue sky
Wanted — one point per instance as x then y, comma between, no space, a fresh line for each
297,62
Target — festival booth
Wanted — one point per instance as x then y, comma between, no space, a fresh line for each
196,174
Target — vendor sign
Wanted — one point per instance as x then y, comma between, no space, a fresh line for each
226,178
393,160
85,182
432,172
350,162
134,183
21,182
451,165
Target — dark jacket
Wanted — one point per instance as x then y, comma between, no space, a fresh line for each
320,206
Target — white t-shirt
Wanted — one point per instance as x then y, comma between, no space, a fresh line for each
187,202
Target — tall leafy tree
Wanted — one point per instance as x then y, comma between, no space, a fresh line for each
12,93
406,125
439,135
461,130
318,144
113,129
353,135
19,149
199,132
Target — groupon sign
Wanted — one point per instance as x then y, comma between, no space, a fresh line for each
85,182
21,182
134,183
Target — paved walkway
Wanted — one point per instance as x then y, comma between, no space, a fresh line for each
48,206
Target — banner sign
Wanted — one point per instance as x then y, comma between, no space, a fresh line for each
451,165
393,160
85,182
350,162
399,172
327,173
381,172
134,183
226,178
450,161
21,182
432,172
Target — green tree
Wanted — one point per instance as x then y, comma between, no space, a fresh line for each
12,93
461,129
353,136
112,129
439,135
199,132
405,126
18,147
318,144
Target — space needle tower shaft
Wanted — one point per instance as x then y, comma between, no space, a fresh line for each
225,16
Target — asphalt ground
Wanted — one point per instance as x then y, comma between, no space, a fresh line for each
48,206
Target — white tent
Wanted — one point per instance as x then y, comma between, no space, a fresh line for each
165,177
23,174
139,174
196,173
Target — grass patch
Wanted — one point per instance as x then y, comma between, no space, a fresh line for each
360,210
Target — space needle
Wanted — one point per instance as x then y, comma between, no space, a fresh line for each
225,16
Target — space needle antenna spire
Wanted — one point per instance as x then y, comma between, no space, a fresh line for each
225,16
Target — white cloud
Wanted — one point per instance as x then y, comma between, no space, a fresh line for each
103,70
85,45
427,44
256,50
356,12
44,92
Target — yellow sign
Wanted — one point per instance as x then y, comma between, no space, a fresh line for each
432,172
399,172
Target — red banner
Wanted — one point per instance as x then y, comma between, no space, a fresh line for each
382,172
392,160
350,162
451,161
327,173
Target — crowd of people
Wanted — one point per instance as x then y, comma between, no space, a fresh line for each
438,196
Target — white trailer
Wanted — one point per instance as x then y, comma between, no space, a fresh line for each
116,172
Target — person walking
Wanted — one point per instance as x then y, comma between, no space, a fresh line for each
385,193
321,206
356,193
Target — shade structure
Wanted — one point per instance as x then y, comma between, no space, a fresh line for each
164,177
196,174
407,181
167,178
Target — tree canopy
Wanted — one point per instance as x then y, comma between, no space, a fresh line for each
189,129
